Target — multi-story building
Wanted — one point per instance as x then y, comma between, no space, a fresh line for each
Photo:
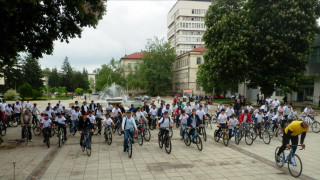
129,62
186,26
185,70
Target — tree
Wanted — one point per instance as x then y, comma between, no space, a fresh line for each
54,78
13,74
25,91
79,91
156,68
32,26
134,79
67,75
263,43
32,72
11,94
36,94
108,74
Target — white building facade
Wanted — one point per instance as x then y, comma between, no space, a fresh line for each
186,26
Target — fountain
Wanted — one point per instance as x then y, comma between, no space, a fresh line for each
114,94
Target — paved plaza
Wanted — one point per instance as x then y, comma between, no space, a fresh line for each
215,161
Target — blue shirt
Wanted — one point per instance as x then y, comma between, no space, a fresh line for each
128,123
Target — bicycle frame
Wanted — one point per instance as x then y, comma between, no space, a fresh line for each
291,156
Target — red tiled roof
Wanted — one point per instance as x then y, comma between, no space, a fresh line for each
136,55
198,49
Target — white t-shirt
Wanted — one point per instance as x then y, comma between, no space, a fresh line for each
223,118
28,105
153,112
268,100
195,106
75,114
220,107
270,115
201,113
107,122
287,110
48,112
116,112
187,109
8,111
206,109
233,122
92,118
46,123
109,107
292,114
276,103
165,122
3,107
60,120
259,117
229,111
277,118
184,119
17,108
306,110
249,108
167,110
264,108
34,110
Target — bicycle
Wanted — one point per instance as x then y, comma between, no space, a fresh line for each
222,134
293,160
86,143
139,134
26,133
183,129
46,136
236,134
170,132
315,126
108,134
36,129
153,122
244,132
3,129
146,132
265,135
202,129
209,121
129,144
61,136
14,121
196,140
165,139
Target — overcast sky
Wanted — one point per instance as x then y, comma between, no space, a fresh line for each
123,30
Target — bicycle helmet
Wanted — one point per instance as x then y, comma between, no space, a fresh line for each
308,121
280,111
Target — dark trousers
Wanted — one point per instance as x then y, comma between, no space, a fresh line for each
29,131
286,140
62,126
99,124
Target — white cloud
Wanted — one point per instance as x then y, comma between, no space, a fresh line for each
123,30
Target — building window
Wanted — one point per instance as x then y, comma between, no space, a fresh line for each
198,87
279,92
199,60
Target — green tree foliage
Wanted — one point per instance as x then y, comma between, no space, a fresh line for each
134,79
54,78
11,94
67,75
32,26
108,74
25,91
13,74
79,91
36,94
156,68
265,43
32,72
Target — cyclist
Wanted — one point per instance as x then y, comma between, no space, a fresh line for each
193,122
107,122
167,109
74,119
291,133
233,121
202,115
292,115
116,113
265,108
229,111
164,124
46,125
34,111
9,113
49,112
287,110
109,107
159,111
278,118
93,106
249,108
259,118
206,109
268,118
183,122
153,114
195,106
308,112
92,120
244,119
17,109
220,107
276,104
128,126
99,113
26,119
28,106
61,122
84,125
177,114
188,108
222,120
132,108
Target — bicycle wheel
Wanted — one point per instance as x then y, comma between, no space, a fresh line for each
36,130
315,127
225,137
236,137
248,138
210,122
109,138
182,132
140,138
204,133
88,147
60,139
113,129
198,142
216,136
253,132
187,139
83,145
48,141
266,137
129,148
147,134
295,166
281,162
14,122
170,132
168,146
3,130
160,140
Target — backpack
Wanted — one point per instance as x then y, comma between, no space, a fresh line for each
2,115
164,119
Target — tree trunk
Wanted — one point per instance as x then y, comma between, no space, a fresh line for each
267,90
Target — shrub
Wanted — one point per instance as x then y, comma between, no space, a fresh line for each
79,91
25,91
11,94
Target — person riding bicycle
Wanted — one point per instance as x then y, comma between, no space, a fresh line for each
46,125
26,119
292,133
245,118
153,115
34,111
61,122
278,118
99,115
206,109
167,109
92,118
107,122
84,125
233,121
193,122
187,108
287,110
308,112
128,126
109,108
183,122
116,114
222,121
259,119
292,115
268,118
164,124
